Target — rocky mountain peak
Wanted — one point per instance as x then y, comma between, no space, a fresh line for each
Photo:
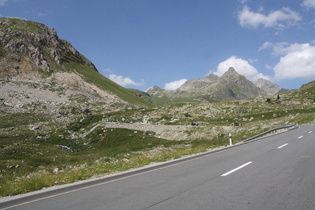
269,87
230,86
231,72
30,48
154,90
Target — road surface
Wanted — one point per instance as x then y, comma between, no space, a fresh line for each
277,172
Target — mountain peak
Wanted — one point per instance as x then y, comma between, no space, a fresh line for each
269,87
33,47
231,71
154,90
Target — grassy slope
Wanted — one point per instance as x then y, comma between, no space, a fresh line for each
29,157
79,65
75,63
94,77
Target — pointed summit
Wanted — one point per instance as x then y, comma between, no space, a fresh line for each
232,74
154,90
236,86
231,71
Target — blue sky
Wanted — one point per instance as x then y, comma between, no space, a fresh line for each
142,43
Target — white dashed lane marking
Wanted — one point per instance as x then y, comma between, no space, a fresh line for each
236,169
282,146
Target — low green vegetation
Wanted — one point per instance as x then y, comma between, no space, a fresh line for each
19,25
11,120
33,159
91,75
37,152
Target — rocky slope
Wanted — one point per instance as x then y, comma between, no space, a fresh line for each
30,49
304,95
41,72
199,84
269,87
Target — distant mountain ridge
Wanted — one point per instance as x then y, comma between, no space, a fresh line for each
269,87
230,86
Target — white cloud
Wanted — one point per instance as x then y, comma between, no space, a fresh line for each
265,46
268,67
242,66
278,49
309,3
175,84
252,61
278,19
297,61
124,81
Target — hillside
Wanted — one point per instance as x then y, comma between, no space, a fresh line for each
44,72
305,95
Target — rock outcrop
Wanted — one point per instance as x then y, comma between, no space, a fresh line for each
27,48
39,72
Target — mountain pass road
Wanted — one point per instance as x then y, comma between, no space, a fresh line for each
277,172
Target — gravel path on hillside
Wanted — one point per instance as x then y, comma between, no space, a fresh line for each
170,132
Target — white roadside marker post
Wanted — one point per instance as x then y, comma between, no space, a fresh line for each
230,137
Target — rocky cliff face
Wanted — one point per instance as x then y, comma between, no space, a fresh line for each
29,49
41,72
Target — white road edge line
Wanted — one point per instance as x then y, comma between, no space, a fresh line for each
107,182
282,146
300,137
236,169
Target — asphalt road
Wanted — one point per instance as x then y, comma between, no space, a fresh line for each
273,173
